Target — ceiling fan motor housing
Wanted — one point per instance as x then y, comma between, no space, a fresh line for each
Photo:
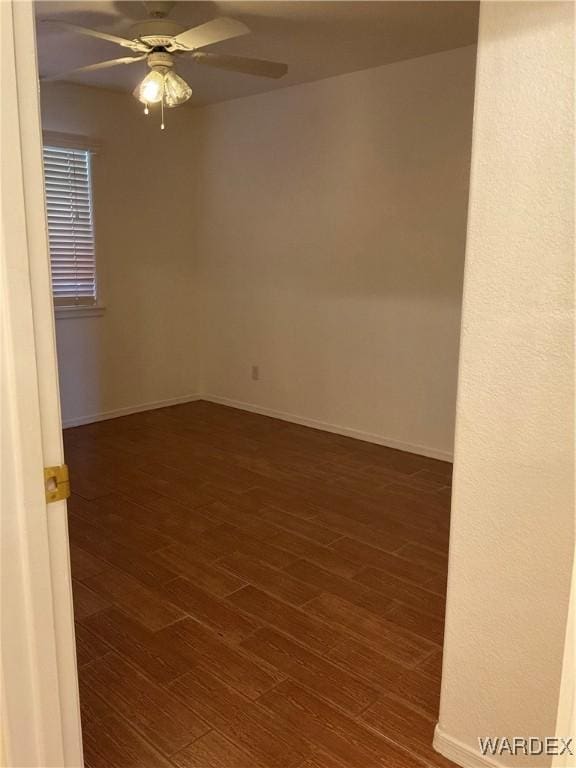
158,59
156,32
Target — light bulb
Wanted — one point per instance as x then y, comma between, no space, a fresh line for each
176,90
151,89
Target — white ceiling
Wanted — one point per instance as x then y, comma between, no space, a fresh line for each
315,39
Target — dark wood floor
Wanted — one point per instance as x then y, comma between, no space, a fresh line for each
254,594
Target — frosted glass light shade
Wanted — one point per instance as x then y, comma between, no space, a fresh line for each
151,89
176,90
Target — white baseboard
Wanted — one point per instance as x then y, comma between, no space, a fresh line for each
460,753
105,415
357,434
367,437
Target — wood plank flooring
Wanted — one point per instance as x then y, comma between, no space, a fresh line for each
250,593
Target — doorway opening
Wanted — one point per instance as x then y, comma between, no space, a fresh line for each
257,317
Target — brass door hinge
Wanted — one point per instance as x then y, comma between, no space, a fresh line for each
56,483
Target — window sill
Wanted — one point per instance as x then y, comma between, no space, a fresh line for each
73,312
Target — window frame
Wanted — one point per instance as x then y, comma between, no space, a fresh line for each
67,308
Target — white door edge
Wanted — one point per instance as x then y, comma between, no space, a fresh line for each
41,720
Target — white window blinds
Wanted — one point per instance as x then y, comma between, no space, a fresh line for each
68,185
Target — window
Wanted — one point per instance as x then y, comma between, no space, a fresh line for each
68,184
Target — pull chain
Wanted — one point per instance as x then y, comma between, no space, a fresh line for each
162,126
146,110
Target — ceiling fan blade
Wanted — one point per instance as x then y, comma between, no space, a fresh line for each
212,32
94,67
258,67
135,45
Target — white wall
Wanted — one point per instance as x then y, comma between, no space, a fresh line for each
331,233
513,506
145,346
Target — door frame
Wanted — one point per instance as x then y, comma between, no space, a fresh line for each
40,701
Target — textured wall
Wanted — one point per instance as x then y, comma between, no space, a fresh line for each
331,235
513,504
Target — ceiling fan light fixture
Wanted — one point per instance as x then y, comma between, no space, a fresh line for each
176,90
151,90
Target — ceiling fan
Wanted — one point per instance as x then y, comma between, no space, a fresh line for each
160,41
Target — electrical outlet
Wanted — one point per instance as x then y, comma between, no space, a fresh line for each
255,373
